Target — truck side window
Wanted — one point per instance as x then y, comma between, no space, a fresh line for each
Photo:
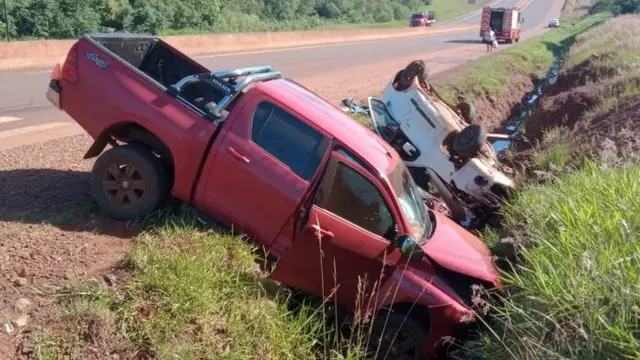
355,199
288,139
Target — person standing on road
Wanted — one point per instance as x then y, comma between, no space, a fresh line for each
489,38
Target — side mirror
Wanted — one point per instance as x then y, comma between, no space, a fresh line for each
409,247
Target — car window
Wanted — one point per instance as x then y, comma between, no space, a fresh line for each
357,200
290,140
386,125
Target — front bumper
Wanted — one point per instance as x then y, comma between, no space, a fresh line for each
53,93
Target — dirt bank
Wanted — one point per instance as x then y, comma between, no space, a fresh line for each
597,94
492,109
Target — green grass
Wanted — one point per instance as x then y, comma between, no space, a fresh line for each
192,294
444,9
236,23
554,152
576,293
362,119
610,52
579,287
490,75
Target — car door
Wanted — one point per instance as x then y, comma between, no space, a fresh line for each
263,168
343,239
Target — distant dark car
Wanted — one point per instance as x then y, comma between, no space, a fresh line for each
425,18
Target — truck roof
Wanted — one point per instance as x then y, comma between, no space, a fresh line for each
361,140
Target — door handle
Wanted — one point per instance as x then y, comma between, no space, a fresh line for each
237,155
320,232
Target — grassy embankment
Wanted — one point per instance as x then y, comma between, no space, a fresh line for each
190,293
576,292
444,9
490,76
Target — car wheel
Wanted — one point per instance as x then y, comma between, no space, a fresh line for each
468,142
415,68
395,335
129,182
467,111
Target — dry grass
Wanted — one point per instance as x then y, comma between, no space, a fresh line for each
614,44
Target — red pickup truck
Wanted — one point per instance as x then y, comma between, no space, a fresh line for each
327,197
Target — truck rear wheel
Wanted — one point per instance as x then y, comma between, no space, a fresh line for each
129,182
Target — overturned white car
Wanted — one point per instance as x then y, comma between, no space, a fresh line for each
443,148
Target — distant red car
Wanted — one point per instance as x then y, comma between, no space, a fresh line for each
425,18
251,149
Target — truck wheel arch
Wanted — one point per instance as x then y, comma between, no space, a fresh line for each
411,309
132,133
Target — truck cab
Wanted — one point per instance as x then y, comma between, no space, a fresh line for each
322,193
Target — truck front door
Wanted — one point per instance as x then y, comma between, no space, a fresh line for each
262,168
342,237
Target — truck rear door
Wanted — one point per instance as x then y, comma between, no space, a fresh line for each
484,20
261,168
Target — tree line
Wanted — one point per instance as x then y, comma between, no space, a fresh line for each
62,19
618,7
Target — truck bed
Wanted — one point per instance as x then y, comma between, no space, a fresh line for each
155,58
158,60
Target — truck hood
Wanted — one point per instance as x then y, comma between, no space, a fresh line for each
458,250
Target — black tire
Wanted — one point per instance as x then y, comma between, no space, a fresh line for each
132,164
413,69
468,142
467,111
455,208
396,335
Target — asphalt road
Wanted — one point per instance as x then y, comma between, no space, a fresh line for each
23,104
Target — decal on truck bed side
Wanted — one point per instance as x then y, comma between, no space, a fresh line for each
96,59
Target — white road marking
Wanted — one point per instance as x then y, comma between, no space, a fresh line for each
30,129
8,119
